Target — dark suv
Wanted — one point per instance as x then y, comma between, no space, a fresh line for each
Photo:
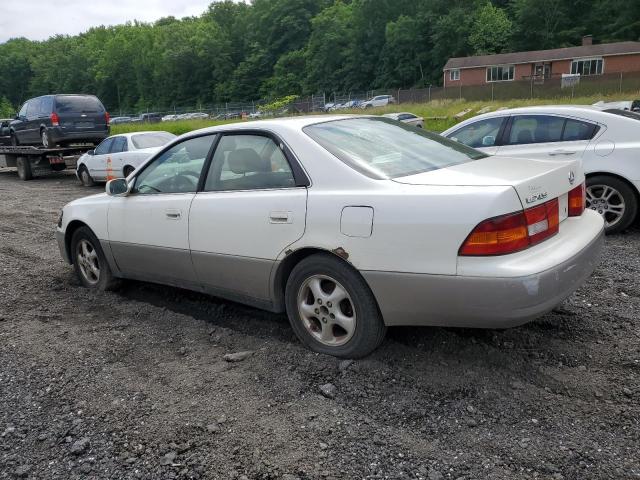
53,120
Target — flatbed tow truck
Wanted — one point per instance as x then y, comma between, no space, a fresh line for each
34,161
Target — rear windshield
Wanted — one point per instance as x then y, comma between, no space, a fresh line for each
624,113
383,148
78,103
151,140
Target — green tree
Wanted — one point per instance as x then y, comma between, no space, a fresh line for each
6,109
491,30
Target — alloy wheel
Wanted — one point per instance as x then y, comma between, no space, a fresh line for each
607,201
327,310
45,139
88,262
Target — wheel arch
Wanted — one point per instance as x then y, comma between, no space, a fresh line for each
619,177
293,258
72,226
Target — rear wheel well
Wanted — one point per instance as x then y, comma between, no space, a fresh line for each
68,235
287,265
619,177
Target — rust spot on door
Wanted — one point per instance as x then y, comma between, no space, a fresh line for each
341,252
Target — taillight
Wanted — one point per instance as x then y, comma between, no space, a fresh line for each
55,119
513,232
107,118
577,199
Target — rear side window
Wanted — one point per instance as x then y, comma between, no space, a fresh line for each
119,145
535,129
383,148
575,130
248,162
479,134
46,105
78,103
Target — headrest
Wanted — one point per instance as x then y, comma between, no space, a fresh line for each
524,136
245,160
198,148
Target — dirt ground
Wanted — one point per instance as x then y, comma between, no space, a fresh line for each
133,384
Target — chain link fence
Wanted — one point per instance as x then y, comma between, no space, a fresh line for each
554,87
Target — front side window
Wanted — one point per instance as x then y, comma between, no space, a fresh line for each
248,162
483,133
384,149
23,110
527,129
104,147
454,74
177,170
587,66
500,73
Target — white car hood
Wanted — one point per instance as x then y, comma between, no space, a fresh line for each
535,181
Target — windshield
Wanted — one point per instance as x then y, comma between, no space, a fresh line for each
151,140
383,148
78,103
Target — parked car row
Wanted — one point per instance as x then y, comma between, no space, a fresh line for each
377,101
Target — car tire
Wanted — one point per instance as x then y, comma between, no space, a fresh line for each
614,199
89,261
352,327
24,168
85,177
127,170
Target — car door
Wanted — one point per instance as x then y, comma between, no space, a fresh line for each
546,137
97,163
149,228
253,205
119,154
31,133
482,134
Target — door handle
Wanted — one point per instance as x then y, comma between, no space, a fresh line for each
280,217
173,214
561,152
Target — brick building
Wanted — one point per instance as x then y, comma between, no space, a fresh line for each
587,59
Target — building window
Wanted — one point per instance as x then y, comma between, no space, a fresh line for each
454,74
502,73
587,66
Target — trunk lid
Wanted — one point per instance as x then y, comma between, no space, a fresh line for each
535,181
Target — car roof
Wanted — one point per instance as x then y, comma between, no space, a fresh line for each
131,134
296,123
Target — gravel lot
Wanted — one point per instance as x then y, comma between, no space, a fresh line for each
134,384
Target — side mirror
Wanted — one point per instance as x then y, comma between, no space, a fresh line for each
488,141
117,187
91,152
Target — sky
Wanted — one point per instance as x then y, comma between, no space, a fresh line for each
41,19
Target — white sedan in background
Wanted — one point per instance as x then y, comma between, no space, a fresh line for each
347,223
407,117
607,142
119,155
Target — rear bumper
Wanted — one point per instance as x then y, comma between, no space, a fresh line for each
61,134
481,302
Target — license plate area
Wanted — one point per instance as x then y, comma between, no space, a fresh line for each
56,160
84,124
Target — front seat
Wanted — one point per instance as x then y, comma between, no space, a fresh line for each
524,136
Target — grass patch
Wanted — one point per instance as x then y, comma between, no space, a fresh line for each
439,115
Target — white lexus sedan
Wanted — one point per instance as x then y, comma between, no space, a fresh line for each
119,155
606,141
348,223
